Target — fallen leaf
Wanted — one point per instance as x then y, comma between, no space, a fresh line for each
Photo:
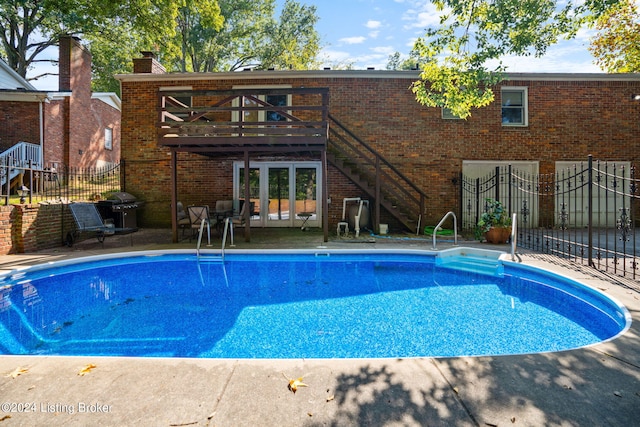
17,372
455,389
86,369
310,414
330,398
294,384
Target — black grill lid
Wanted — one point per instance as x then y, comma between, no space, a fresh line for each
122,197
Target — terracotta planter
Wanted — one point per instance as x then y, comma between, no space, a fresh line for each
498,235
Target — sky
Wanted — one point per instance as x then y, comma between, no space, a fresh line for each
364,33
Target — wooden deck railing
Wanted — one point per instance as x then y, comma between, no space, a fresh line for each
206,120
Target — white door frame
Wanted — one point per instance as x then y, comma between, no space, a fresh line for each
264,166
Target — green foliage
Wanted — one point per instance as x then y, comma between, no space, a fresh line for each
395,61
187,35
495,215
292,42
31,26
475,33
197,22
616,46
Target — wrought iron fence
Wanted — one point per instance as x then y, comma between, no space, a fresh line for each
61,184
588,212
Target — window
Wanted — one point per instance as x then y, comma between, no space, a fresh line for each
447,114
108,139
514,106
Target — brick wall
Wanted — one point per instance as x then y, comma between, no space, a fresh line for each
74,123
568,120
55,132
19,122
30,228
87,118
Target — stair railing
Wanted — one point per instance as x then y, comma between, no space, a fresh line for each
19,157
395,182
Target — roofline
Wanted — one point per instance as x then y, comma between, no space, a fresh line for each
110,98
360,74
24,83
23,95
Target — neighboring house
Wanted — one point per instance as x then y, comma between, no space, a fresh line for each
291,138
72,127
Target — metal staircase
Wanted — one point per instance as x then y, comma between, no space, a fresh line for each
377,177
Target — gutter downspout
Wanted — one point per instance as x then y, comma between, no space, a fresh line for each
41,118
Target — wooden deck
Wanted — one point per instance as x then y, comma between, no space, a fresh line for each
247,120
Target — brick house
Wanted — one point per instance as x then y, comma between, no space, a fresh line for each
176,148
71,127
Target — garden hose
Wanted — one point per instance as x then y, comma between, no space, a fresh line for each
428,230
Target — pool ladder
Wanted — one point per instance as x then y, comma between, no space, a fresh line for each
455,228
228,230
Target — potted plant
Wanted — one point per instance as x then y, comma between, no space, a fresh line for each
494,223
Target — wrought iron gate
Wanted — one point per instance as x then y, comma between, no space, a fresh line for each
588,211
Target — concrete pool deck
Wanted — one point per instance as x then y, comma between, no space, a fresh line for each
593,386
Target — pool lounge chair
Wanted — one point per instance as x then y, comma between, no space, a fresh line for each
88,220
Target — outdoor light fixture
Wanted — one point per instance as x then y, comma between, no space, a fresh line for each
22,192
635,97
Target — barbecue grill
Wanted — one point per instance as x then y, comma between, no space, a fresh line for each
120,207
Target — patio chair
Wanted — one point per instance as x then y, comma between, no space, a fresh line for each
198,215
240,220
184,223
224,209
88,220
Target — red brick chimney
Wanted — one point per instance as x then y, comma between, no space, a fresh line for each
74,65
148,64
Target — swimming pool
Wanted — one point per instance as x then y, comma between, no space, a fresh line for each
302,304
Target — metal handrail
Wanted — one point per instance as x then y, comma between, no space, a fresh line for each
514,233
228,229
202,223
455,228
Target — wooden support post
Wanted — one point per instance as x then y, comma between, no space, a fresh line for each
174,196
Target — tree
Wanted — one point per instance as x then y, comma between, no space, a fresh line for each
112,53
292,42
252,38
31,26
616,46
473,33
395,61
198,21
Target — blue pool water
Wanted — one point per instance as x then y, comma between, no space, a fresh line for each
302,305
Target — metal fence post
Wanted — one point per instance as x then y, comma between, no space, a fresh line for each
590,212
509,189
497,178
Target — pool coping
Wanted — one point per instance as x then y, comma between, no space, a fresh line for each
594,385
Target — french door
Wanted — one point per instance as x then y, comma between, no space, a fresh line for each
284,194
